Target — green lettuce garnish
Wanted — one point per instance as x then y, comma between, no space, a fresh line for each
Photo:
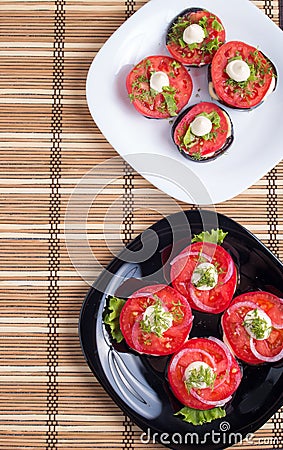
168,93
213,116
199,417
114,306
189,138
215,236
212,45
216,25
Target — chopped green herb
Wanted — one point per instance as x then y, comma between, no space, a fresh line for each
207,277
209,136
219,269
200,376
213,116
189,139
175,65
258,326
158,321
196,156
216,25
199,417
203,23
176,311
235,58
131,97
192,46
212,45
168,93
145,96
177,30
114,305
182,43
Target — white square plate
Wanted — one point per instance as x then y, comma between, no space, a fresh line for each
146,143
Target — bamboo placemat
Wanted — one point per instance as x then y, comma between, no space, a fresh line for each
48,397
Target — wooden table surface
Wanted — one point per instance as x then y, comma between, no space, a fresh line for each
49,398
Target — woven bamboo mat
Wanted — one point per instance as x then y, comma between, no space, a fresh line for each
48,397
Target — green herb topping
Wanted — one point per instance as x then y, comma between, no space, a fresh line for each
205,275
168,93
216,25
212,45
258,326
199,417
203,24
156,319
200,377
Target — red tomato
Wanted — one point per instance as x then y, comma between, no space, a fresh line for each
214,353
216,299
164,104
195,54
141,339
239,340
243,95
203,148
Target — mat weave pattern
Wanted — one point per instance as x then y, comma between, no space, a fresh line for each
48,397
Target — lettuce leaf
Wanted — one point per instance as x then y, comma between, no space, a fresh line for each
215,236
114,306
199,417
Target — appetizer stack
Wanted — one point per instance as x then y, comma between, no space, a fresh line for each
239,77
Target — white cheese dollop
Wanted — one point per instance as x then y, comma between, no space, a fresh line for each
158,80
205,277
201,125
258,315
238,70
151,319
193,34
198,365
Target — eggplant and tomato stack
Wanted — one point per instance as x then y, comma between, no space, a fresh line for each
202,132
253,327
205,273
240,76
194,36
159,87
203,374
156,320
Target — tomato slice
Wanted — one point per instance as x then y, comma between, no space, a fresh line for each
239,339
219,297
226,369
164,104
148,342
243,95
207,147
196,54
